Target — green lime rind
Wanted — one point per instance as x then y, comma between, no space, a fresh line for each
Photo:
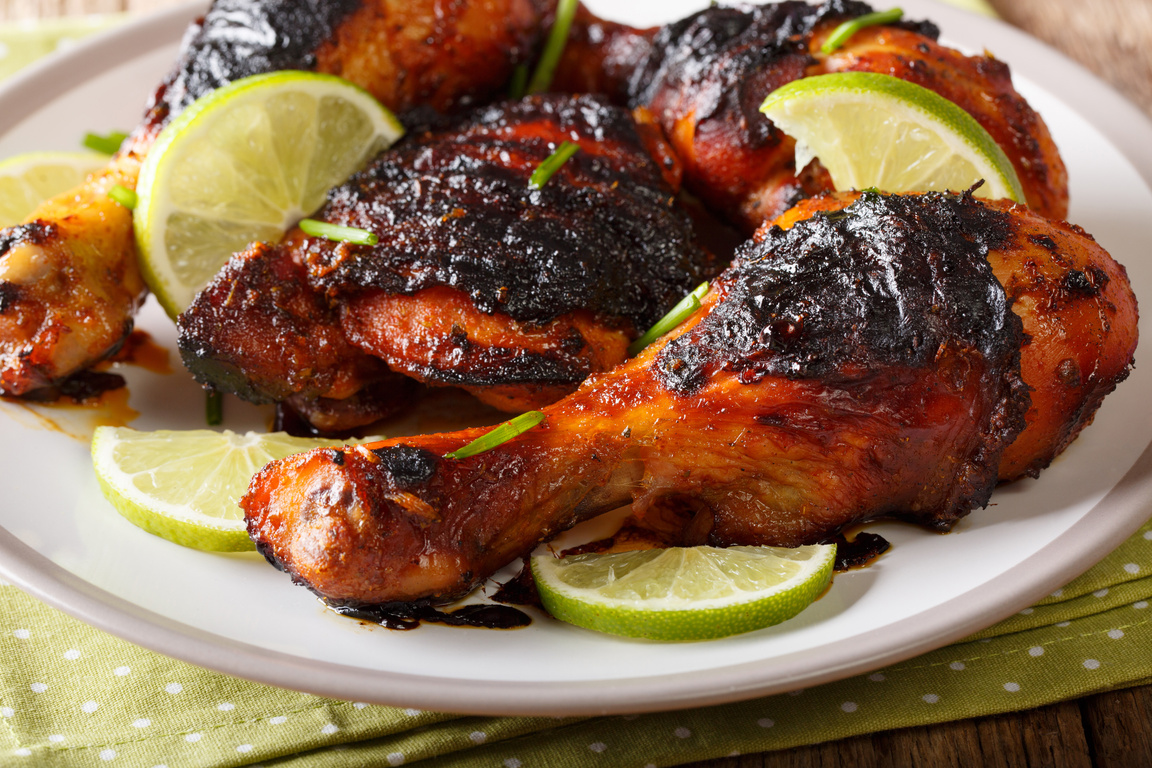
692,620
28,179
232,537
240,212
184,485
902,95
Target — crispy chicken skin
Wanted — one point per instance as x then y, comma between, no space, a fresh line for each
862,363
478,281
66,299
69,284
703,78
1079,317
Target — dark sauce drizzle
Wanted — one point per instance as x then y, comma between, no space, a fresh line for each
520,589
80,388
406,616
859,552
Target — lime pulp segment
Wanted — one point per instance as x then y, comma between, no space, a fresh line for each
683,593
243,164
184,485
878,131
29,179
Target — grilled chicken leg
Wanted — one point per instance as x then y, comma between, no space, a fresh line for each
703,79
850,365
69,284
1079,316
479,280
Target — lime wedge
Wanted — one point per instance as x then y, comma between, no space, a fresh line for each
244,163
184,485
872,130
683,593
29,179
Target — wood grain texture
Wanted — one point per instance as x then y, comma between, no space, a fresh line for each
1113,38
1049,737
1118,725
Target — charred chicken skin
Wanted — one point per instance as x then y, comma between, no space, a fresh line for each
69,284
703,79
1079,317
479,279
858,362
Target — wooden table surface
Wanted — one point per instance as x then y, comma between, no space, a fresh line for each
1113,38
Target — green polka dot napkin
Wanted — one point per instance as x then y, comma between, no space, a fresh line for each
73,696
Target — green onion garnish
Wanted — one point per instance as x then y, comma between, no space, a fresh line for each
214,407
679,313
557,38
841,34
337,232
498,436
552,164
124,196
109,144
518,85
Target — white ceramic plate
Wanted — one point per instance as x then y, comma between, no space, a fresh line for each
63,543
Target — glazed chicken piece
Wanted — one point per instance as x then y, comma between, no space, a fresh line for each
862,363
703,79
479,280
69,284
1079,317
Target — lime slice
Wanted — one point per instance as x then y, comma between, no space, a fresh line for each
683,593
244,163
872,130
30,179
184,485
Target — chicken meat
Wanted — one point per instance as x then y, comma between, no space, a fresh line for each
69,283
480,279
860,360
704,77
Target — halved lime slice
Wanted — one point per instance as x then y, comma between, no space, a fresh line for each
683,593
244,163
873,130
184,485
29,179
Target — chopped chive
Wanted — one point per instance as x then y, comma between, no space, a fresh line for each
109,144
552,164
841,34
124,196
557,38
498,436
678,314
518,85
337,232
214,407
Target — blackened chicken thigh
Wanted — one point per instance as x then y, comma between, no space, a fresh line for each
704,77
480,279
854,363
69,282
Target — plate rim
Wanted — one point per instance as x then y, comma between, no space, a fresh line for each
1077,548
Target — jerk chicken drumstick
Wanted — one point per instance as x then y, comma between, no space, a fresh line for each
703,79
865,362
422,301
479,279
69,284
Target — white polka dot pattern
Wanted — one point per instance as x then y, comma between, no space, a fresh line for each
80,687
